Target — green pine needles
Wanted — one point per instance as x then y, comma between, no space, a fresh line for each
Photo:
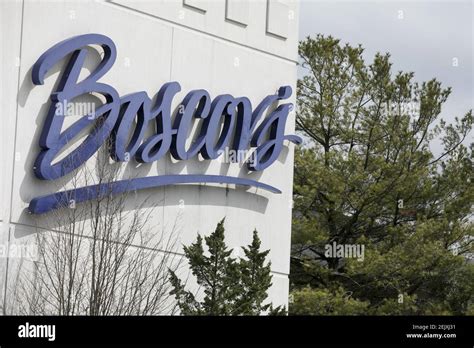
231,286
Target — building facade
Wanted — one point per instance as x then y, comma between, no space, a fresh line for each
237,47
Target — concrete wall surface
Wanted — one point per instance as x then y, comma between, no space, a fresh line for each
240,47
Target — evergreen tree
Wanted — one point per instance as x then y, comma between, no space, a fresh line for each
255,279
231,287
367,174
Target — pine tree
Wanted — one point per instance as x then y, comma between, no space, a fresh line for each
255,279
367,175
231,287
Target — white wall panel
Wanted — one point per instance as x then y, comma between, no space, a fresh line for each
157,42
10,64
200,5
278,18
237,11
257,34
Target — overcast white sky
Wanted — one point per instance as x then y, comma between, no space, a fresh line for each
422,36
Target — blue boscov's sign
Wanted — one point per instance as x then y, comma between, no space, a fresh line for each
227,123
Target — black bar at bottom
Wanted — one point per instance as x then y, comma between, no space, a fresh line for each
427,330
